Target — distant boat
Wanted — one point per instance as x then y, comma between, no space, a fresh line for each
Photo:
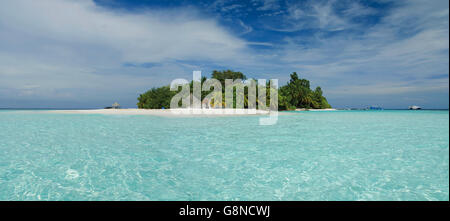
374,108
414,107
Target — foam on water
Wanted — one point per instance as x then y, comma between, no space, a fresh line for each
342,155
71,174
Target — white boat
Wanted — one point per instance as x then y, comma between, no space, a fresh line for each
414,107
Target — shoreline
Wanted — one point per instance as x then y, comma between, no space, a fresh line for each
169,112
326,109
180,112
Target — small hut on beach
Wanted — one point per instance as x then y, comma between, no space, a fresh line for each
114,106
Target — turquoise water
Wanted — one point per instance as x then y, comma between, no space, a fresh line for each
341,155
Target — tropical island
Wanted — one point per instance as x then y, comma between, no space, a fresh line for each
296,94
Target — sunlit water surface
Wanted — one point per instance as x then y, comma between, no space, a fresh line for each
340,155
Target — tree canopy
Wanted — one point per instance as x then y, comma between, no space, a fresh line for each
298,94
295,94
228,74
156,98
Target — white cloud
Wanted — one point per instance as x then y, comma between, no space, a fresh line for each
390,57
267,5
247,28
312,15
355,9
71,46
75,50
149,36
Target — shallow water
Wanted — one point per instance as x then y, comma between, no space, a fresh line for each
340,155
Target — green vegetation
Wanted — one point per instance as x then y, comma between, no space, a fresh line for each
156,98
295,94
298,94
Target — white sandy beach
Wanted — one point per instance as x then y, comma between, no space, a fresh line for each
326,109
167,112
180,112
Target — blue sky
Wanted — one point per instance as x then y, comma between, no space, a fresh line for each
78,54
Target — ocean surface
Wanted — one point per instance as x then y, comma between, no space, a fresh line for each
335,155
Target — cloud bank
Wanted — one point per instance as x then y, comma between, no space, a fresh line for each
67,53
53,49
